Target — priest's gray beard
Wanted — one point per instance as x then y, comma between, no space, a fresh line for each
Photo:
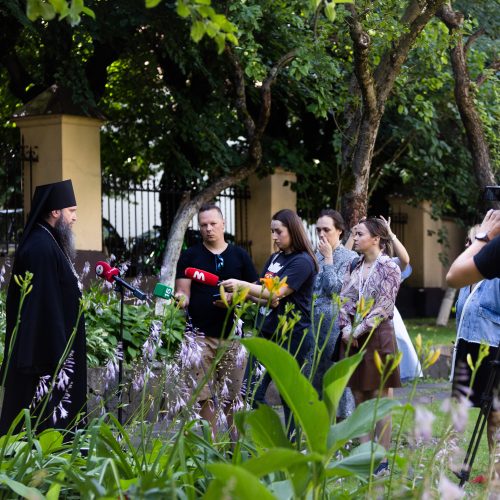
66,238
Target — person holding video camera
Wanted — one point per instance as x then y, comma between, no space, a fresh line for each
482,258
478,322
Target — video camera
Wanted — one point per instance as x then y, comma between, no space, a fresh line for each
491,193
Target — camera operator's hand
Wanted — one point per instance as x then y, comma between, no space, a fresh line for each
491,224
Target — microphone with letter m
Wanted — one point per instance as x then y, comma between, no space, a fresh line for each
201,276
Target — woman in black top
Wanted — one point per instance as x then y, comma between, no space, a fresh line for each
294,259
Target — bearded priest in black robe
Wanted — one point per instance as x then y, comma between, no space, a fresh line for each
48,317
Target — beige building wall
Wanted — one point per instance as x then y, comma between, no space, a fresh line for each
268,195
68,147
421,239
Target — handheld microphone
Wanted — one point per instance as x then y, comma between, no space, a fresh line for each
112,274
163,291
202,276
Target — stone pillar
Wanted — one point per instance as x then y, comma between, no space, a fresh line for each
422,292
267,196
67,141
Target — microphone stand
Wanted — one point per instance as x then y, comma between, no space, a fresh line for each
119,288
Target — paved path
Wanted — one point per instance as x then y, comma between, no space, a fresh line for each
426,392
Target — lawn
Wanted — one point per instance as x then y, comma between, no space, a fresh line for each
438,335
439,429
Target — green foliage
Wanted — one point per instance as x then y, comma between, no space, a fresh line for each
295,389
170,101
102,321
185,461
205,20
49,9
3,322
437,335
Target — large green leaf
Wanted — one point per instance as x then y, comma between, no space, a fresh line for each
266,428
358,461
335,381
282,489
360,422
295,389
108,446
21,489
278,459
50,440
238,483
55,487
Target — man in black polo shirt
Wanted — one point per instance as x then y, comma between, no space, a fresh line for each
482,258
216,256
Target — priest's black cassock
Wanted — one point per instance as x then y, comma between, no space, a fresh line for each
48,318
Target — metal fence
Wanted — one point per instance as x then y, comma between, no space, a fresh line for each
12,159
137,219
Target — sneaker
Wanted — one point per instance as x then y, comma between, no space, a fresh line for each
382,469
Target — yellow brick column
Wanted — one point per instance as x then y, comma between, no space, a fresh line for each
267,196
68,147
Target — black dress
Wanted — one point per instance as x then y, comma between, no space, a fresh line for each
48,318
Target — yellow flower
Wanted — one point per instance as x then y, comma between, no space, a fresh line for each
397,360
431,358
363,307
223,296
274,285
378,362
240,295
469,362
418,343
434,357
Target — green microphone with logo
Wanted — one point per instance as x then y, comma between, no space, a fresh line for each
163,291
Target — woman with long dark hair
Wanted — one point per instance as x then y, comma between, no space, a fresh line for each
294,259
376,277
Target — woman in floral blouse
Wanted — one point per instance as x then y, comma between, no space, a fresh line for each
334,261
375,277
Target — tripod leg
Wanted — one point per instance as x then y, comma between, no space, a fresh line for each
484,413
470,456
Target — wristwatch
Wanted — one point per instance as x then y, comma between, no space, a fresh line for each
482,237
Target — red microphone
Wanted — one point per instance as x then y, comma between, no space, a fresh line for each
202,276
112,274
105,271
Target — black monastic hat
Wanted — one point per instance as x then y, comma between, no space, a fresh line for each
54,196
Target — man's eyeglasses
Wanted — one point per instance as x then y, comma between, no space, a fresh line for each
219,262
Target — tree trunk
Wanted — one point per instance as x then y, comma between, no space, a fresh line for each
446,305
375,87
255,130
187,210
464,97
355,206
